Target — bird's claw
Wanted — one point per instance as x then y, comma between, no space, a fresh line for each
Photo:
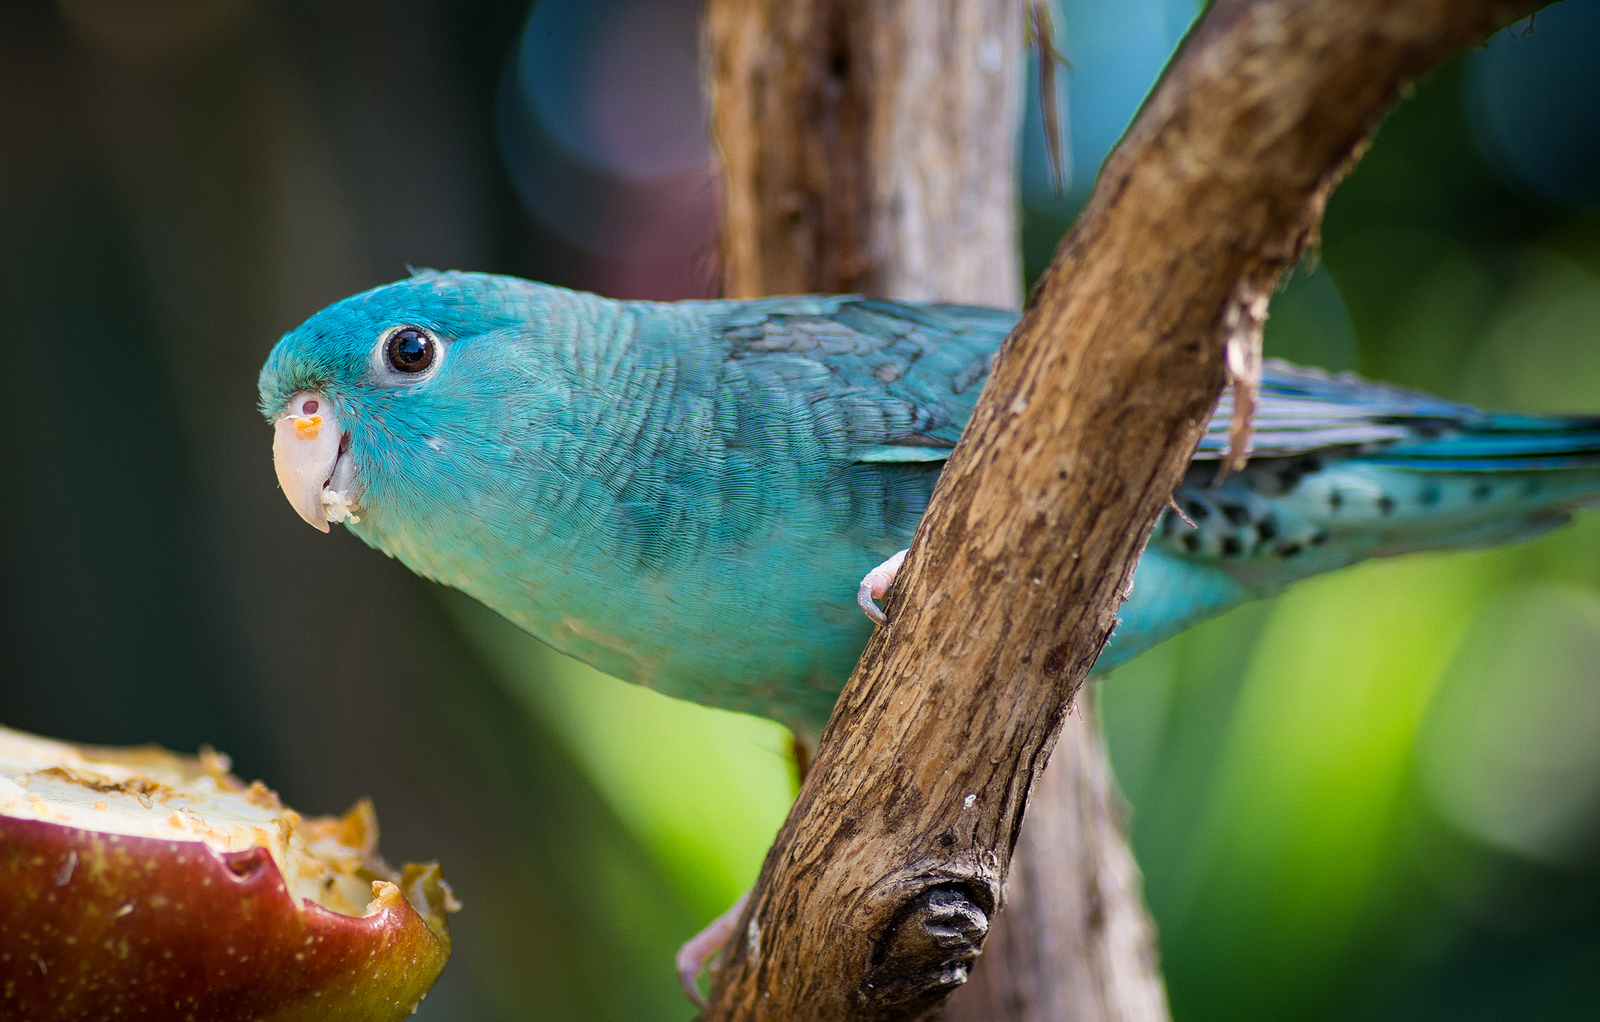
869,606
702,947
876,584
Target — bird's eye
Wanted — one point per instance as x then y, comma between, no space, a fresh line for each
411,349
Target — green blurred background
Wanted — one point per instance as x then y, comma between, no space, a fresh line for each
1377,797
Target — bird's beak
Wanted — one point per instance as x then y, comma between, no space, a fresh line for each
305,451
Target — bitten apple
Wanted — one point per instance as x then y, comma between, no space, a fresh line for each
139,884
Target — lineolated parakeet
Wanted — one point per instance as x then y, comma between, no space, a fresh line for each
685,495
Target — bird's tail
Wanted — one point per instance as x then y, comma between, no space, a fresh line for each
1464,478
1502,478
1497,442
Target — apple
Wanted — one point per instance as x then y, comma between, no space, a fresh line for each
140,884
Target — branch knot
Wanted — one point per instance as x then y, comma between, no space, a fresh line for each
927,949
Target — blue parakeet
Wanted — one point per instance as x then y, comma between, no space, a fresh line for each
685,495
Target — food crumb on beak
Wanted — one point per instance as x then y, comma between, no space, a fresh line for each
306,427
339,506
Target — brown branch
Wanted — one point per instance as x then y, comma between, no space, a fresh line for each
878,889
867,147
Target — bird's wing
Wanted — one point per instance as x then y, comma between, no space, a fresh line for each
1302,410
902,379
906,378
1306,410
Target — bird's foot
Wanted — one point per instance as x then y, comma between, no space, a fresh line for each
704,946
877,583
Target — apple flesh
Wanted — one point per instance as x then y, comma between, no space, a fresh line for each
135,883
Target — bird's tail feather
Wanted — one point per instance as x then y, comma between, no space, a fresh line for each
1500,443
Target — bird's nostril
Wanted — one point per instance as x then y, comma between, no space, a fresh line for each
309,408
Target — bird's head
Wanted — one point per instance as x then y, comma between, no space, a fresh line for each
368,387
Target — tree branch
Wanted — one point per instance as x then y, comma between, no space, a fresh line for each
877,892
867,147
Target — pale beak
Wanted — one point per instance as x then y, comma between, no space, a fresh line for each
305,451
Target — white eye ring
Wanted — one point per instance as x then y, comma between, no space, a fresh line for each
408,353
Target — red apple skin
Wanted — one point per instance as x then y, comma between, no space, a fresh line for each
97,926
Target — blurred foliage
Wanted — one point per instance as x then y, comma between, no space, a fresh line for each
1376,797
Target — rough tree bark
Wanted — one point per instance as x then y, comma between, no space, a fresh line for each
866,146
871,147
878,890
